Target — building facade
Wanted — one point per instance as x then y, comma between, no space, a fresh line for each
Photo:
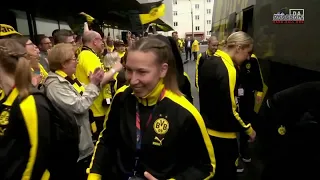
183,11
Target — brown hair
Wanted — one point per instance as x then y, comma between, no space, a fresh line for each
34,60
22,40
60,54
164,55
61,35
13,61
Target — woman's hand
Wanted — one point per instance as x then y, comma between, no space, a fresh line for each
149,176
36,79
117,66
97,76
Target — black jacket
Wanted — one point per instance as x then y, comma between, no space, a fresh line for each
217,95
174,145
24,137
250,75
290,131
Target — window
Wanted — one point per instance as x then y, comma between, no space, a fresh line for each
197,28
197,6
208,33
175,23
175,1
175,13
208,11
208,1
197,17
208,21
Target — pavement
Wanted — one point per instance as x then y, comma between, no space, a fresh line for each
252,170
190,69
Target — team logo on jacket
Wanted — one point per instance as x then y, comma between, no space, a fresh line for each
248,66
282,130
4,121
157,141
161,126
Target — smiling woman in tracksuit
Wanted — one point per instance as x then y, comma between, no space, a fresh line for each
152,130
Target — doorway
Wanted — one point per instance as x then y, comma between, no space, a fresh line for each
247,25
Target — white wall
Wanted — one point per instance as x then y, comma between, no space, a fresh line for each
183,17
46,26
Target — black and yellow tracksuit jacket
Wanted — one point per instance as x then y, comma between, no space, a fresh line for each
183,150
24,137
2,95
200,59
218,104
250,76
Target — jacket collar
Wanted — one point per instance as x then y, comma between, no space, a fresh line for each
56,76
154,96
209,53
11,97
224,57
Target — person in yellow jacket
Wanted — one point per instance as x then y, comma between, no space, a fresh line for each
109,44
120,48
195,49
88,61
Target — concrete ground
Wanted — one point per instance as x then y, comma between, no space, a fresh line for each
253,169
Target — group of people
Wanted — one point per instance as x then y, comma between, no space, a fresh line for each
131,108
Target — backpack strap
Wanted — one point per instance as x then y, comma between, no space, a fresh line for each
42,92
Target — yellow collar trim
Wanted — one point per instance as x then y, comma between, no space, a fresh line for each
225,57
209,53
121,54
11,97
152,98
74,81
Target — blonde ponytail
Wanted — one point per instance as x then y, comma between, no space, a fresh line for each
22,77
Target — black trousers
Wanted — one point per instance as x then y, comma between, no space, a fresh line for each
226,154
195,54
188,53
82,166
247,114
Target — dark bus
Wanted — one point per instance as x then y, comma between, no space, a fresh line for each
288,53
